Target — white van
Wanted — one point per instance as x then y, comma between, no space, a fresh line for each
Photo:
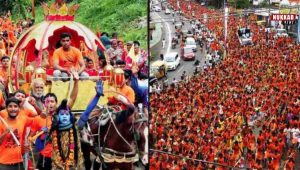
172,59
191,43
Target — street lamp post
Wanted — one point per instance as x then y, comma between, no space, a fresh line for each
269,18
225,22
225,27
298,26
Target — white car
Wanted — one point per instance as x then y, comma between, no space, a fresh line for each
173,60
281,33
191,43
168,11
156,8
245,36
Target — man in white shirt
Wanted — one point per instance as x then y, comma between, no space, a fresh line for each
174,81
205,66
163,43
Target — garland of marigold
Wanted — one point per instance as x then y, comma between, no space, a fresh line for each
58,158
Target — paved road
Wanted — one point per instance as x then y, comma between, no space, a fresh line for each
168,33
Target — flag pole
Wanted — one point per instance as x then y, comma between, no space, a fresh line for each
33,9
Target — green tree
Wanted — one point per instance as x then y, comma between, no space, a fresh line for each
19,7
121,16
232,3
264,4
217,3
5,6
239,4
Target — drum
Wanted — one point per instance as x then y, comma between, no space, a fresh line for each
108,73
119,78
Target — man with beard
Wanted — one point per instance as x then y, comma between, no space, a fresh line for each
10,152
44,122
34,101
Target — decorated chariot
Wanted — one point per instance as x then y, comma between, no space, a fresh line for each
32,56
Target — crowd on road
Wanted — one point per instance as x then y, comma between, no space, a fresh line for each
242,113
188,35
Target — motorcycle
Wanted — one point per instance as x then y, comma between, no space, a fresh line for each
197,62
174,42
173,45
196,70
165,83
183,76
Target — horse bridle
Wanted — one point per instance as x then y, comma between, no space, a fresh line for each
110,155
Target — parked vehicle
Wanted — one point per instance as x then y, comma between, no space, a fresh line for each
158,69
173,60
188,53
191,43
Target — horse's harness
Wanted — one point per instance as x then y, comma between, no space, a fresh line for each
109,155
